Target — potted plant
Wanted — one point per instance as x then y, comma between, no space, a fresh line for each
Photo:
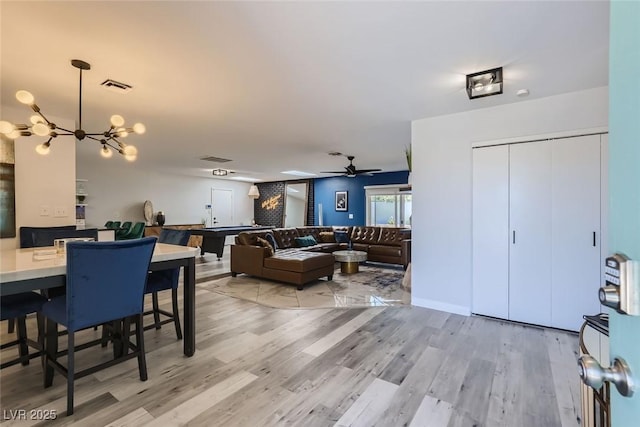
407,152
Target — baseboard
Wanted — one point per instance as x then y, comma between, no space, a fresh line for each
441,306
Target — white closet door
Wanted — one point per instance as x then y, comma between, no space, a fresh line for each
575,213
491,231
530,239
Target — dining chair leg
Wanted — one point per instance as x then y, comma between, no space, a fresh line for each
70,371
105,335
156,310
41,332
51,344
142,361
21,334
176,314
11,327
117,338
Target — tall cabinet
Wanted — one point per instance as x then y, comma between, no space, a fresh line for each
536,230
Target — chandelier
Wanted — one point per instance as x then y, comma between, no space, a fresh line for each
41,126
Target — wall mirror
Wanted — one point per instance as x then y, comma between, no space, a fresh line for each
295,212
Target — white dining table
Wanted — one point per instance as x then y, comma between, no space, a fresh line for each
20,271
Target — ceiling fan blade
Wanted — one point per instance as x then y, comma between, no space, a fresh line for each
367,170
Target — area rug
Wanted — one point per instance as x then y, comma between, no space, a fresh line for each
372,286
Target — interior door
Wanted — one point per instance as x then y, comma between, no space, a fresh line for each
575,234
221,207
530,232
491,231
624,188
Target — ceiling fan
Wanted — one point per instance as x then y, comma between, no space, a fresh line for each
351,170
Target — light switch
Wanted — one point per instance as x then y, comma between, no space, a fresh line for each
59,211
350,216
44,210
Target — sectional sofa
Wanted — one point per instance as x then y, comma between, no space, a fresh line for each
295,260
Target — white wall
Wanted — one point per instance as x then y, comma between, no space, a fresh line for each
442,183
42,180
118,189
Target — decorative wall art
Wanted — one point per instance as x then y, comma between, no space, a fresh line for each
342,201
7,188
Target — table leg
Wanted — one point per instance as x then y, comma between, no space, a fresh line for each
189,302
350,267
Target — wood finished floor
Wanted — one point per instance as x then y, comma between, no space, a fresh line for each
260,366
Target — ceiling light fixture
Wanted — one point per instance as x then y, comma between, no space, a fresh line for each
41,126
254,193
484,83
220,172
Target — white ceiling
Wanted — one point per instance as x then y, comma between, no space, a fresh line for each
275,86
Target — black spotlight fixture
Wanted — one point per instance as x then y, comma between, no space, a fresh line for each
484,83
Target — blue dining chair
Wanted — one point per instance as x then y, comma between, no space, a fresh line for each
164,280
105,283
17,307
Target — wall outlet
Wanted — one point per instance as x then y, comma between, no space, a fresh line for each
59,211
350,216
44,210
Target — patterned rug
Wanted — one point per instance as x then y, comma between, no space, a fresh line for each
372,286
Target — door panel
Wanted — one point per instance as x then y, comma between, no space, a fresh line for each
624,187
530,233
221,207
491,231
575,212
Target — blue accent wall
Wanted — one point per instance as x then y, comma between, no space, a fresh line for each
325,193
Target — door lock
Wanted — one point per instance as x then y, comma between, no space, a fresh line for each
594,375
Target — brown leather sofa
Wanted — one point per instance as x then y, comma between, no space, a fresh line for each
301,265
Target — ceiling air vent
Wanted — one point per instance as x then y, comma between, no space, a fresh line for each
115,86
215,159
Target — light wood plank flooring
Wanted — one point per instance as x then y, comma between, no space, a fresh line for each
380,366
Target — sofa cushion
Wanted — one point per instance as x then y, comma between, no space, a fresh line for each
272,240
341,236
388,251
392,236
327,237
285,237
265,244
303,242
312,231
298,261
366,235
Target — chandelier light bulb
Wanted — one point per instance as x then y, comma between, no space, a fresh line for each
105,152
122,132
6,127
130,153
43,149
14,134
35,119
25,97
40,129
117,120
139,128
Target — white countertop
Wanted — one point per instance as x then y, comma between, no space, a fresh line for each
18,264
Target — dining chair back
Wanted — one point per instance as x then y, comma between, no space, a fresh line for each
108,224
162,280
136,232
124,229
105,283
26,234
114,225
46,237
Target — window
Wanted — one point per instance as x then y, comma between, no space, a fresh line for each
388,206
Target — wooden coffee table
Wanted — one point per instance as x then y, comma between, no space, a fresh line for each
350,260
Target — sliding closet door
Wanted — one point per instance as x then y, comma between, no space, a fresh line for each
491,231
530,234
575,211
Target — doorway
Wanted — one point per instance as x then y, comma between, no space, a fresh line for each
295,208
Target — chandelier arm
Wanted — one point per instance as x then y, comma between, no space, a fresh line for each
35,108
65,130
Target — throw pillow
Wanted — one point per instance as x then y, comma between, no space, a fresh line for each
327,237
272,240
305,241
341,236
265,244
